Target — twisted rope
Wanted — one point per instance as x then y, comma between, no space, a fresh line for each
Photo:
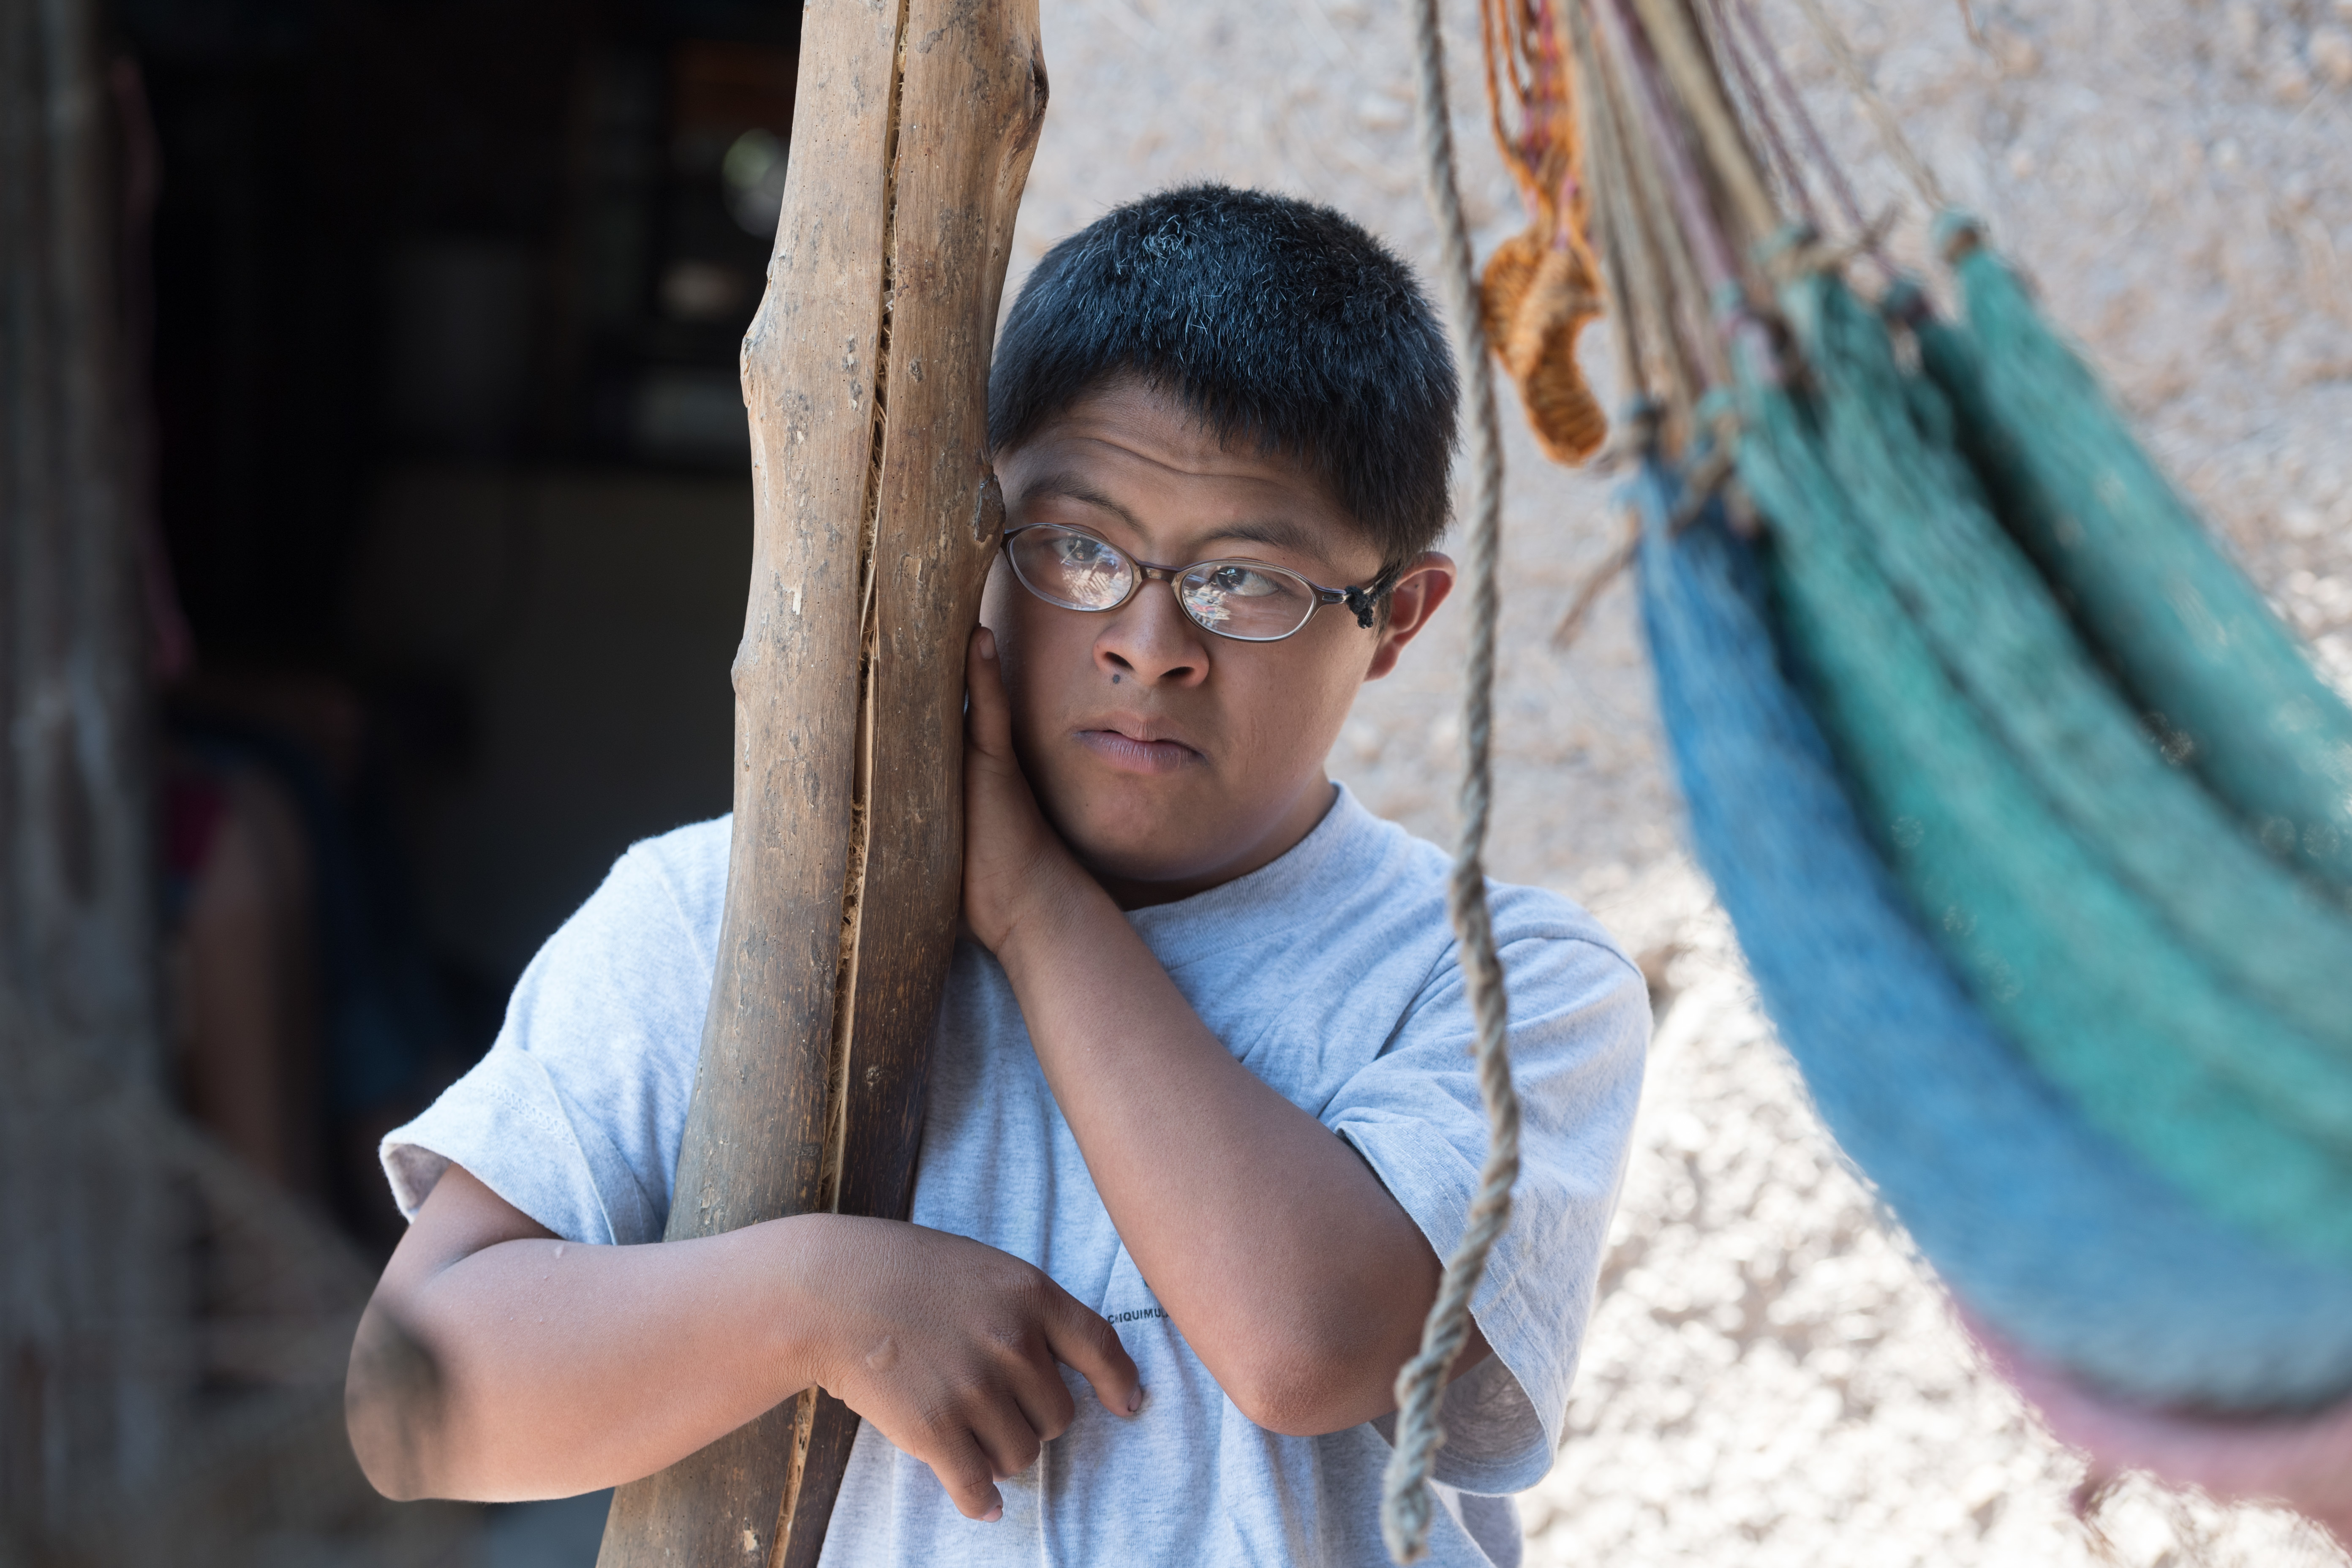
1420,1386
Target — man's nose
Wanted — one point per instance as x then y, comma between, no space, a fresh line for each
1151,639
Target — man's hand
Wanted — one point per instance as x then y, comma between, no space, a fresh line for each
1013,858
948,1347
497,1363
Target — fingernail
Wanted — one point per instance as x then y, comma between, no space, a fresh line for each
993,1515
1135,1400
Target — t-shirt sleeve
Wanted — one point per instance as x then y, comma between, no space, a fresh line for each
1579,1029
576,1113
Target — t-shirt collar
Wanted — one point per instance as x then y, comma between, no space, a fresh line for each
1287,890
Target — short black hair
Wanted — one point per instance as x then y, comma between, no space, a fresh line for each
1271,318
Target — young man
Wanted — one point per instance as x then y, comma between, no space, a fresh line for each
1201,1117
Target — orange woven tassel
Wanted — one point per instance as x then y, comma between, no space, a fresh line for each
1541,287
1536,300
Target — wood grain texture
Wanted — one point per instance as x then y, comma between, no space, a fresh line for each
866,371
94,1367
77,910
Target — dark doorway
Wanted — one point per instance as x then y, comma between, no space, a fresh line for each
451,471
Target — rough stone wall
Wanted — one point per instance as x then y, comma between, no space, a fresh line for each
1771,1378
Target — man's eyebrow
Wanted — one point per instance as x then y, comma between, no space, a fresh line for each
1071,488
1281,532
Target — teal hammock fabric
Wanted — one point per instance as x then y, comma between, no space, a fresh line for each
2190,636
2011,788
2056,1234
2037,830
2279,936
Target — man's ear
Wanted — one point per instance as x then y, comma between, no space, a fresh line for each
1418,593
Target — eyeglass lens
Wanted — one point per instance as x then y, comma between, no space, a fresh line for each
1232,598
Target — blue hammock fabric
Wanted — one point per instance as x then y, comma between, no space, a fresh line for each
2056,1234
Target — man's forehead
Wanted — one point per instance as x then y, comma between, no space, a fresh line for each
1139,425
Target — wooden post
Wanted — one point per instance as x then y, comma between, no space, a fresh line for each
77,914
87,1244
877,516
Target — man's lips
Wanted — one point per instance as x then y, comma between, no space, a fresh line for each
1137,750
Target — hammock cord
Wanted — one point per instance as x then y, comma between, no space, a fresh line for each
1890,129
1420,1386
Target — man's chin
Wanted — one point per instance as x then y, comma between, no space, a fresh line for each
1130,856
1120,861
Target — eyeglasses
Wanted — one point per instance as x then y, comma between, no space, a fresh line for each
1246,600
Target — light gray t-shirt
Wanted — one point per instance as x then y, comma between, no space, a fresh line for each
1331,974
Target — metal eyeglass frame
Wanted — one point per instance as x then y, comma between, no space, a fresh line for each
1364,601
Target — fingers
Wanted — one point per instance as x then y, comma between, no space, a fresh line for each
1043,1399
1033,1406
1006,1437
969,1477
1090,1347
990,714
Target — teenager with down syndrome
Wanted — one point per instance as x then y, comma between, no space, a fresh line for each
1201,1117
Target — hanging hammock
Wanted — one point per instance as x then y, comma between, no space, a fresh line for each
2035,827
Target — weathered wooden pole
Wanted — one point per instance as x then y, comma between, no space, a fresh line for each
77,916
92,1380
876,515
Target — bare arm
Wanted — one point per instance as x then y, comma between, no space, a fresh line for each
495,1362
1297,1278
